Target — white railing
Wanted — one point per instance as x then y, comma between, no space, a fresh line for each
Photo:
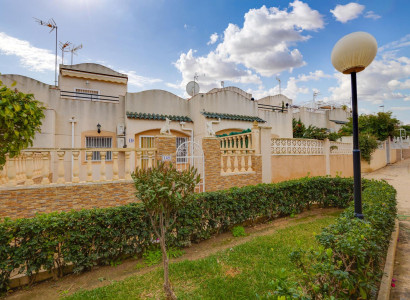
288,146
337,148
45,166
400,143
236,153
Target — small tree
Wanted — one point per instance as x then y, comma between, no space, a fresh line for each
163,190
20,119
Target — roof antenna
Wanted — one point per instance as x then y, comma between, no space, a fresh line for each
52,25
74,50
63,47
280,90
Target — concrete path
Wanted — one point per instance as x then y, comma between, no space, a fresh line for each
398,175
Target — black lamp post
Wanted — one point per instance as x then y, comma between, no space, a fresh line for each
352,54
98,128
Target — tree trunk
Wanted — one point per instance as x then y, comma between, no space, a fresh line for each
167,284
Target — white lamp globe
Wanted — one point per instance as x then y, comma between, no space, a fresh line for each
354,52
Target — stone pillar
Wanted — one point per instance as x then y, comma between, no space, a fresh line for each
115,165
76,167
256,142
326,152
89,155
166,146
266,152
212,156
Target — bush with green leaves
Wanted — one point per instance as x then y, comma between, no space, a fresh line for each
163,190
238,231
20,119
312,132
348,264
367,145
100,236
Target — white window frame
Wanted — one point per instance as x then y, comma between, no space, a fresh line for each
96,154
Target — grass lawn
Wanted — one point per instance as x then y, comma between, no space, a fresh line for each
242,272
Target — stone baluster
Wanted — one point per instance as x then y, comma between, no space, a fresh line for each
18,164
249,141
150,155
115,165
250,161
89,156
235,161
76,167
45,172
138,154
29,168
228,161
23,166
102,167
127,166
243,161
60,167
11,171
241,142
222,162
3,174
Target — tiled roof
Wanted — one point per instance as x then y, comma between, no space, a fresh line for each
145,116
211,115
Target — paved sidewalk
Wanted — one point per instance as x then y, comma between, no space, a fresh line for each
398,175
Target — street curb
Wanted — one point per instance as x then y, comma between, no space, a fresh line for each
385,285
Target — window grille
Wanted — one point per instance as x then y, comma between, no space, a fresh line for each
99,142
89,93
183,151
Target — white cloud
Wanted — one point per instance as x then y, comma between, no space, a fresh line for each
372,15
213,38
262,47
400,108
381,81
212,70
318,74
36,59
403,42
138,80
345,13
293,89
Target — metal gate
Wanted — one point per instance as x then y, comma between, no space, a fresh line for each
191,154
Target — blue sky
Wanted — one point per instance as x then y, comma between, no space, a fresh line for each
162,44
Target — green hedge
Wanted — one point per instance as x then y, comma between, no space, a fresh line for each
349,264
100,236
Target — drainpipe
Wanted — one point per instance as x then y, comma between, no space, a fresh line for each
72,121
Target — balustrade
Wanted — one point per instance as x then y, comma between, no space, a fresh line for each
236,153
45,166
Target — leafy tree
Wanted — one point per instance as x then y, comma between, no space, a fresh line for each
367,145
312,132
298,128
163,190
20,119
381,125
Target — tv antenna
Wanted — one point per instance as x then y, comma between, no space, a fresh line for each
192,88
52,25
280,90
74,50
222,84
63,47
315,93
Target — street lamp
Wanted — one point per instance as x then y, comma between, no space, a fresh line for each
352,54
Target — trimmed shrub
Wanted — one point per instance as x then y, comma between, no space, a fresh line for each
349,263
100,236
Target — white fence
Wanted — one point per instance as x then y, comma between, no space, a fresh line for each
71,165
297,147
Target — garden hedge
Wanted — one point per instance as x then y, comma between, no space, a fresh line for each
349,263
100,236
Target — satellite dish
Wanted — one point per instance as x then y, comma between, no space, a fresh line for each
192,88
